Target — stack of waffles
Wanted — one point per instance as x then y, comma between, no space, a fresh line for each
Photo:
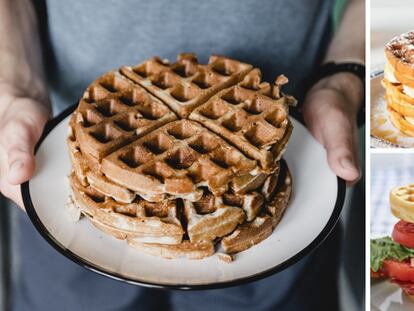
179,158
399,82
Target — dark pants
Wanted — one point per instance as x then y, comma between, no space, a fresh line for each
48,281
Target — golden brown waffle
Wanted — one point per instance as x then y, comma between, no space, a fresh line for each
399,82
279,199
397,100
185,249
153,226
174,187
245,183
141,220
186,84
402,202
400,107
251,202
253,81
93,177
114,111
248,234
176,159
269,185
213,217
227,258
400,56
251,233
208,218
255,123
401,122
98,181
221,218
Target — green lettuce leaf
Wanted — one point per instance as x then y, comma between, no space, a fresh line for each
385,248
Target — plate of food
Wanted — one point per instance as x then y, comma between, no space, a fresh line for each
392,96
171,175
392,257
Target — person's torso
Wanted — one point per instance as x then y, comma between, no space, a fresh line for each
88,38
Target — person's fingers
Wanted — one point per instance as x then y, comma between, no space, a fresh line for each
20,160
21,125
21,128
341,152
336,131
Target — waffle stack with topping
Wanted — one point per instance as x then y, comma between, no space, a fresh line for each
399,82
176,158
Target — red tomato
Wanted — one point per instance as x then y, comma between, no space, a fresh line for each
403,233
401,271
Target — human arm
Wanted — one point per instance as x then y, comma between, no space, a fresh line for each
24,104
332,104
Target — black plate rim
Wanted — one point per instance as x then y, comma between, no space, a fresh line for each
31,211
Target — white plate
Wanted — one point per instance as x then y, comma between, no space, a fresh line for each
314,209
383,133
386,296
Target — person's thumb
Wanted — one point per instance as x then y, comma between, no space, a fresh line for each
340,142
21,128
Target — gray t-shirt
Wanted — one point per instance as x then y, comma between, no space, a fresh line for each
87,38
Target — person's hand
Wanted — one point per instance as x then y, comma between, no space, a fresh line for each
330,111
22,120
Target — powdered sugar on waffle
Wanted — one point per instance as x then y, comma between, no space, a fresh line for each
403,47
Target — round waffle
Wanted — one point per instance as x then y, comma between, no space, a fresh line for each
175,157
402,202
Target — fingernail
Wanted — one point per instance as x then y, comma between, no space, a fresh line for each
16,166
348,164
